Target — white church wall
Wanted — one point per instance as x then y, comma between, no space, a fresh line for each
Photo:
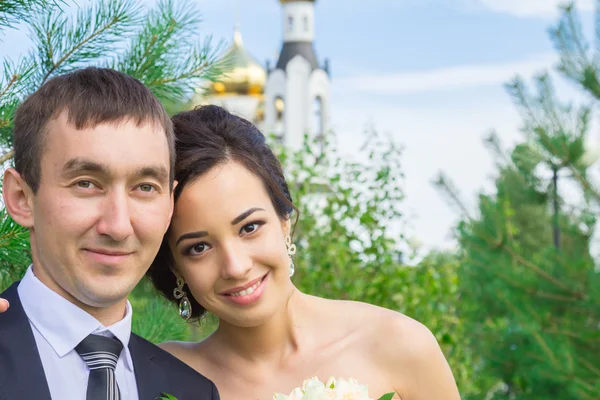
319,87
297,103
275,87
298,21
243,106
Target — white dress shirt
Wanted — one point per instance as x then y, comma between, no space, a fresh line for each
58,327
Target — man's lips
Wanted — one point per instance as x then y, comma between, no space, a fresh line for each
108,257
108,252
243,287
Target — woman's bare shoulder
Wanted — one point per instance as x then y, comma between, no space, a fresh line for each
412,354
404,347
376,325
373,317
392,337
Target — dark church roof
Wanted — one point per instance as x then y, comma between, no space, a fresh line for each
292,49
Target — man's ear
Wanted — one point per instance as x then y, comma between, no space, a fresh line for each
18,198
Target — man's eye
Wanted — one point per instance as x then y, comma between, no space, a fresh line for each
85,184
147,188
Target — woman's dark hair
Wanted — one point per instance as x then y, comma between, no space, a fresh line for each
206,137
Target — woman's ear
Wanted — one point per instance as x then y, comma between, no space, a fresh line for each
174,270
18,198
286,226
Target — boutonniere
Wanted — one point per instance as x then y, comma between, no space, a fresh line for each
166,396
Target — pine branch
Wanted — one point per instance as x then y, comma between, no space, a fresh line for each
14,250
540,272
155,55
571,335
593,369
586,396
494,144
531,266
202,64
13,80
9,84
575,61
13,11
157,321
537,337
155,318
561,140
444,184
63,44
13,88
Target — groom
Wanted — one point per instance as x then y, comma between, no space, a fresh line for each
93,183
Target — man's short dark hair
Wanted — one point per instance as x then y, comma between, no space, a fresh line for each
91,96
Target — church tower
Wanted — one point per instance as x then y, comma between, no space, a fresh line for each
297,91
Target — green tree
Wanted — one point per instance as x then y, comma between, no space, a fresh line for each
347,234
121,34
531,309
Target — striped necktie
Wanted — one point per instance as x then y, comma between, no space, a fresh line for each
101,353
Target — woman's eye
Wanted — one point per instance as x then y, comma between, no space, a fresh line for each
198,248
250,228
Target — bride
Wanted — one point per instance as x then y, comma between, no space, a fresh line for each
229,252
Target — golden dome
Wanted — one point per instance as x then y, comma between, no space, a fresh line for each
243,75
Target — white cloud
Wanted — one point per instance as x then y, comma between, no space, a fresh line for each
458,77
530,8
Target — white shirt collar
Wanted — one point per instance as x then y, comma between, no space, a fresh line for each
62,323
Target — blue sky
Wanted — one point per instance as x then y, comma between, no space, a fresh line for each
429,73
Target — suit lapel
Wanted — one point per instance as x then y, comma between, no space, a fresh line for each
150,377
22,374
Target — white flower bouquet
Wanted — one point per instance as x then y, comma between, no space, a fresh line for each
314,389
333,389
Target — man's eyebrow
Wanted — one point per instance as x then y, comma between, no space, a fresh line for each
159,173
79,165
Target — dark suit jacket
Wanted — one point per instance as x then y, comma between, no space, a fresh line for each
22,374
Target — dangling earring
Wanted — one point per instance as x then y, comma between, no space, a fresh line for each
185,307
291,250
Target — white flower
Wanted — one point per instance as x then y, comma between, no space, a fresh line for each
351,390
314,389
297,394
330,384
333,389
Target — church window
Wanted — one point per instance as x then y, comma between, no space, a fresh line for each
279,108
317,117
